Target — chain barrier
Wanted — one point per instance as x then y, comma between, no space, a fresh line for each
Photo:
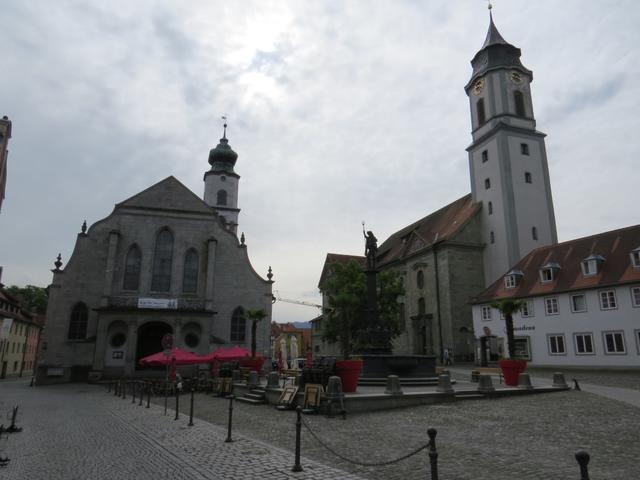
364,464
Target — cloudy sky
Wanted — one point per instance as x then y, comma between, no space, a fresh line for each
340,111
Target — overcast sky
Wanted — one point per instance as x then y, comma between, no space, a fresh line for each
340,111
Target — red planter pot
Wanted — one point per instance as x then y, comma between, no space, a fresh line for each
511,369
349,373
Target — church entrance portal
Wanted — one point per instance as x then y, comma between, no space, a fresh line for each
149,339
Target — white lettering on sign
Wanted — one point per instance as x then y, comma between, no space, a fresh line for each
158,303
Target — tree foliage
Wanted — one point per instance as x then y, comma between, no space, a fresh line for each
508,307
255,316
346,319
31,297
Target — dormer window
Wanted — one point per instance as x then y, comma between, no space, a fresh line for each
513,278
549,272
591,265
635,257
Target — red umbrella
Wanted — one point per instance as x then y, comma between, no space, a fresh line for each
227,354
181,357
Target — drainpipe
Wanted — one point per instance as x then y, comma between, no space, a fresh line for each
435,262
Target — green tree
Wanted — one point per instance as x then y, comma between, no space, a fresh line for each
507,308
346,319
255,316
31,297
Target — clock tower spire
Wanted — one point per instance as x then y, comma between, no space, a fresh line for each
507,157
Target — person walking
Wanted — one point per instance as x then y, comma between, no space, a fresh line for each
446,357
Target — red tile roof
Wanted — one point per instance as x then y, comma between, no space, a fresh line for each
440,225
615,246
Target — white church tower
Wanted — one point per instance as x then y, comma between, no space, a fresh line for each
507,158
221,182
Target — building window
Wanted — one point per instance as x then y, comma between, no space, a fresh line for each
492,237
546,275
510,281
238,326
519,100
578,303
132,269
490,208
534,233
635,258
487,184
524,149
190,276
485,156
480,110
613,342
551,305
527,309
608,300
635,296
421,307
556,344
222,197
527,177
420,279
486,314
584,343
117,340
191,340
78,322
161,279
522,348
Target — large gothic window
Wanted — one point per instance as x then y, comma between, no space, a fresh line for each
238,326
78,322
132,269
519,99
480,110
420,279
190,277
161,279
222,197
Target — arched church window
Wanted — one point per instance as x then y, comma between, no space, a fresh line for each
492,237
420,279
78,322
487,184
238,326
534,233
222,197
190,277
421,307
519,100
480,111
490,208
132,269
527,177
161,279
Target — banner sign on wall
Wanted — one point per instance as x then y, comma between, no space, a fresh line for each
158,303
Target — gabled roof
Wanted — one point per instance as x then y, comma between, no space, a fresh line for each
338,258
614,246
436,227
168,194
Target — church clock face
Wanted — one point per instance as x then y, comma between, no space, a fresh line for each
515,78
478,86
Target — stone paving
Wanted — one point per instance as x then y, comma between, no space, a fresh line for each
81,432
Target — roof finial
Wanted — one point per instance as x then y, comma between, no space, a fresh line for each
224,134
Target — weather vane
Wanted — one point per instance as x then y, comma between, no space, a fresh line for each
489,6
224,135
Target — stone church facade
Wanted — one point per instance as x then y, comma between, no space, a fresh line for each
164,261
451,255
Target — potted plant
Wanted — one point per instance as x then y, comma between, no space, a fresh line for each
346,322
511,367
254,362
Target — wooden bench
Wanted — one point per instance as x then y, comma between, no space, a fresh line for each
486,371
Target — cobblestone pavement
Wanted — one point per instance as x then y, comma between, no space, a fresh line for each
81,432
524,437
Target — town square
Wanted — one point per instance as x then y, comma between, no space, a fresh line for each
323,240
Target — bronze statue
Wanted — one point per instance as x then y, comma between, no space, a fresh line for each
371,247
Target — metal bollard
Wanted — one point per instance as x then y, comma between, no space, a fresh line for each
124,390
108,387
190,424
229,440
141,392
166,396
115,389
433,453
148,394
133,392
576,384
177,403
583,460
297,467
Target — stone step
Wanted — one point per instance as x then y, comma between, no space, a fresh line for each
252,401
403,381
470,395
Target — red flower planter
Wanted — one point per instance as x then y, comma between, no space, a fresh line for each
349,373
511,369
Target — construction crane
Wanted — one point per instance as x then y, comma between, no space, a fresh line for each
297,302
